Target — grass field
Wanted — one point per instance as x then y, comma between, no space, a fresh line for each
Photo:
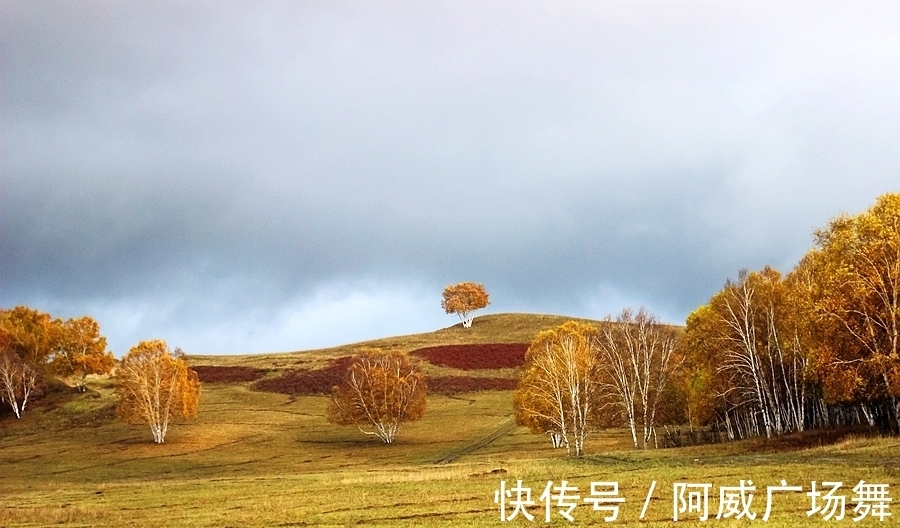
264,459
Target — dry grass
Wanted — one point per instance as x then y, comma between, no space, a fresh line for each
265,459
497,328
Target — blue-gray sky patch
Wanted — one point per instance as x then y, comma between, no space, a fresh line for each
259,176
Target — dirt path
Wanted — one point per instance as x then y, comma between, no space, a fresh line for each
504,429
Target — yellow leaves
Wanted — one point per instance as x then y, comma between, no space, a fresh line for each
29,333
559,388
464,298
154,384
857,298
381,390
79,349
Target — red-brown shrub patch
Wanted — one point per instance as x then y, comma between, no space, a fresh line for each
303,381
473,357
214,374
306,382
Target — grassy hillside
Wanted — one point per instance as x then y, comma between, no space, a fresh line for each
497,328
263,459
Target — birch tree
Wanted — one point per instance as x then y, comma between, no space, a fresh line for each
560,390
380,392
638,358
154,386
19,381
463,299
753,336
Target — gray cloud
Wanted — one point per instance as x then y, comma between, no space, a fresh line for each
253,176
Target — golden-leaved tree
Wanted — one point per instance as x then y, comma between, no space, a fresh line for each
463,299
856,301
79,350
26,341
561,390
30,334
380,391
155,385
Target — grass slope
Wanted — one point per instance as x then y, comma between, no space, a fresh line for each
264,459
497,328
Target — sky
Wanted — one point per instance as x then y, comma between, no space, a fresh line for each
244,177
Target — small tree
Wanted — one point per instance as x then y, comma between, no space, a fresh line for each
80,350
155,385
380,391
464,298
19,380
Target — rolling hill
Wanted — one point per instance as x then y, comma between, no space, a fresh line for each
261,458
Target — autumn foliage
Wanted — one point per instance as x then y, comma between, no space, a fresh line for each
561,391
79,350
34,346
380,391
857,299
464,298
817,348
155,385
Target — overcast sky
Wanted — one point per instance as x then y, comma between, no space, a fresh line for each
238,177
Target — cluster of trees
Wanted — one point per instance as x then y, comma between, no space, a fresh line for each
768,355
153,384
771,354
34,346
580,377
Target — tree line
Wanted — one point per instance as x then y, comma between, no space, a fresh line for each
153,384
818,347
769,354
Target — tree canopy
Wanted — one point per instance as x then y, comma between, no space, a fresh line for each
814,348
464,298
560,392
380,391
154,385
79,350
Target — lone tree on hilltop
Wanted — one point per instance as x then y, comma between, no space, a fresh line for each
464,298
380,391
154,385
